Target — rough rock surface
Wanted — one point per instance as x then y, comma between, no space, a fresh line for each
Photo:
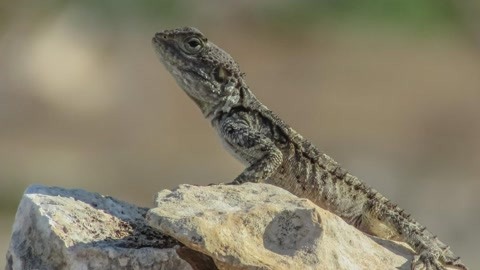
259,226
56,228
252,226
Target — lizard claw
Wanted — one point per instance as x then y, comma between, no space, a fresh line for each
455,263
427,260
451,260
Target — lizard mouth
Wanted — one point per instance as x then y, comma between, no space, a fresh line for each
165,50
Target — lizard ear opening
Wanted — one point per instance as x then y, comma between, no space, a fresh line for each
221,74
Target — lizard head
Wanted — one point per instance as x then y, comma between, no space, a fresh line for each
205,72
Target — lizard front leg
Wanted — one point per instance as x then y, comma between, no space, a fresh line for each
263,156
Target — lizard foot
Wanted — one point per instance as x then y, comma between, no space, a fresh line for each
451,260
427,260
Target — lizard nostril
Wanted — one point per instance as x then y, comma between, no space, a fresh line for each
160,35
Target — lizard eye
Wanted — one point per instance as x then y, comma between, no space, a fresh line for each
193,45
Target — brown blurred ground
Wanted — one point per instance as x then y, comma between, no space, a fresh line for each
84,103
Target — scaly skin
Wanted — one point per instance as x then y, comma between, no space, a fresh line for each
275,153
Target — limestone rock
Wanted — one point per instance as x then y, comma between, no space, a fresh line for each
251,226
57,228
259,226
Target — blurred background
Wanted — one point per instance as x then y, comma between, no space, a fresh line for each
390,89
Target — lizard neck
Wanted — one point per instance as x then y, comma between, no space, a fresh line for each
241,97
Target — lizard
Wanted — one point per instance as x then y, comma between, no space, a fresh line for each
274,153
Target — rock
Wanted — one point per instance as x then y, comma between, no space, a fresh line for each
259,226
251,226
57,228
